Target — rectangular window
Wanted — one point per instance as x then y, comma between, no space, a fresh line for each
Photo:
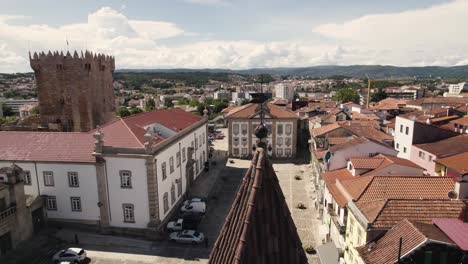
407,130
48,178
235,129
204,137
51,203
244,152
244,129
196,143
183,154
397,145
75,204
27,177
288,129
171,164
200,141
288,142
73,180
244,141
401,128
279,152
279,129
129,213
125,179
178,159
404,149
430,158
166,202
236,152
287,152
163,169
279,141
422,155
235,141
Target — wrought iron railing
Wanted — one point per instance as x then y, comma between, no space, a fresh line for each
7,212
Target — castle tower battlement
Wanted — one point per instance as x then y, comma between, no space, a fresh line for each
74,90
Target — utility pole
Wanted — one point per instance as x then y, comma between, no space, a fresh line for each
368,90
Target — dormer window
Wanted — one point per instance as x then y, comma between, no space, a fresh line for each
350,167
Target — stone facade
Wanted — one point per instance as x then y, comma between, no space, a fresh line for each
74,91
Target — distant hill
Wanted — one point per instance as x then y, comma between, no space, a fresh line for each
358,71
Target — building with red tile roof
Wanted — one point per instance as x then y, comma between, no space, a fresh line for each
417,239
259,227
455,228
131,164
281,123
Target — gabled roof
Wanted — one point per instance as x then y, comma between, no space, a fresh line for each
324,129
46,146
248,110
128,132
449,146
379,162
414,235
386,213
458,163
259,227
389,104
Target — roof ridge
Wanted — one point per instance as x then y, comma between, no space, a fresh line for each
131,131
365,188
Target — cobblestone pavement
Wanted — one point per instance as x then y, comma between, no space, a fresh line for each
297,191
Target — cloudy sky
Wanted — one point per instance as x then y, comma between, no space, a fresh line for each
239,34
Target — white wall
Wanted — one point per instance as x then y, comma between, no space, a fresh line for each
137,195
87,189
164,186
402,140
340,158
396,169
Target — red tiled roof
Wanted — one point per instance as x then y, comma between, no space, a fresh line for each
461,121
455,229
449,146
379,162
439,100
330,177
414,235
366,163
407,187
259,227
389,104
384,214
338,140
128,132
46,146
359,116
368,132
248,110
324,129
458,163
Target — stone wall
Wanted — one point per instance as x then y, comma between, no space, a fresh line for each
76,91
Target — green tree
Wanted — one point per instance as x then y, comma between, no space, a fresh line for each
122,112
200,108
219,106
194,102
183,101
168,102
346,95
34,110
245,101
379,95
296,97
150,105
136,110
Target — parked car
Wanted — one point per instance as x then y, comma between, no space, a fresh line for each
187,236
182,224
195,199
195,207
73,255
219,137
192,216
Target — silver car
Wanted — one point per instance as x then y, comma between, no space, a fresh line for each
187,236
72,255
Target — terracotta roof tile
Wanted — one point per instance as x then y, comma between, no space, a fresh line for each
330,177
384,214
46,146
259,227
338,140
458,163
414,234
407,187
366,163
246,111
449,146
324,129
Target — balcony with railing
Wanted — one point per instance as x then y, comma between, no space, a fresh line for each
6,214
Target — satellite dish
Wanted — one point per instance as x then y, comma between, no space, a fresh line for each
452,195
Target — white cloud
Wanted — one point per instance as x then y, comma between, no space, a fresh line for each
429,36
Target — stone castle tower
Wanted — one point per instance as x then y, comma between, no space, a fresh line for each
74,91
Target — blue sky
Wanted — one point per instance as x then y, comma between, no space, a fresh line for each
239,33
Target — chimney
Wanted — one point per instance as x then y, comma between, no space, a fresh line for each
464,214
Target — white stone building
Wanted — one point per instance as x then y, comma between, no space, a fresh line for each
127,179
282,130
284,91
